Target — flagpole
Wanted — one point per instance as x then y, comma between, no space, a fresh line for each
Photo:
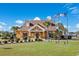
59,29
67,28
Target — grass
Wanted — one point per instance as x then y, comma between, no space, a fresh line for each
50,48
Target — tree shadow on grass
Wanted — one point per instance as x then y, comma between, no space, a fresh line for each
7,48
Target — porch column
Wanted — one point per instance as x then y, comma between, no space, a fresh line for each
29,33
43,34
47,34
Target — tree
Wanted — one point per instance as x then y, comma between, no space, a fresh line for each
77,32
61,28
14,28
47,23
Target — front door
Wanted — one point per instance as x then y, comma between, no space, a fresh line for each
25,36
37,36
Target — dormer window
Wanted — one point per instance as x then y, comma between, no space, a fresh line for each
31,24
52,24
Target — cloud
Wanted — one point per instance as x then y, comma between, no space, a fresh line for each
9,29
77,26
2,28
59,21
18,25
2,23
66,26
72,8
19,21
13,25
68,5
49,17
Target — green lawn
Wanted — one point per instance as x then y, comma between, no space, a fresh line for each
41,49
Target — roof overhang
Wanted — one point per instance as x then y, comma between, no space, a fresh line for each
36,25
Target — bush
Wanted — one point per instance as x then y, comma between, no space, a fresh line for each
69,37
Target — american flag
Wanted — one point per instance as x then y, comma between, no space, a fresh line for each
60,14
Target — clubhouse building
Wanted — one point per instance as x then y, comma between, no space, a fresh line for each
36,29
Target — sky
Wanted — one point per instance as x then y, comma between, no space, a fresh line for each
14,14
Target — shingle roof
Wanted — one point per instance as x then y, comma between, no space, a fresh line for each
39,22
51,28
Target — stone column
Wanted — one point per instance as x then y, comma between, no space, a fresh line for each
29,33
43,35
47,35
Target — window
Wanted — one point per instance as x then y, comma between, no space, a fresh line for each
52,24
50,34
31,24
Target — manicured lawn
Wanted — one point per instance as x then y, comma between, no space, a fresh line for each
41,49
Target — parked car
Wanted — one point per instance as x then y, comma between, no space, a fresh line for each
65,36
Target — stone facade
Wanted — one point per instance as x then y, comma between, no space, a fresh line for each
34,30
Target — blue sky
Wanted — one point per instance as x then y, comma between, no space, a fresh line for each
15,14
